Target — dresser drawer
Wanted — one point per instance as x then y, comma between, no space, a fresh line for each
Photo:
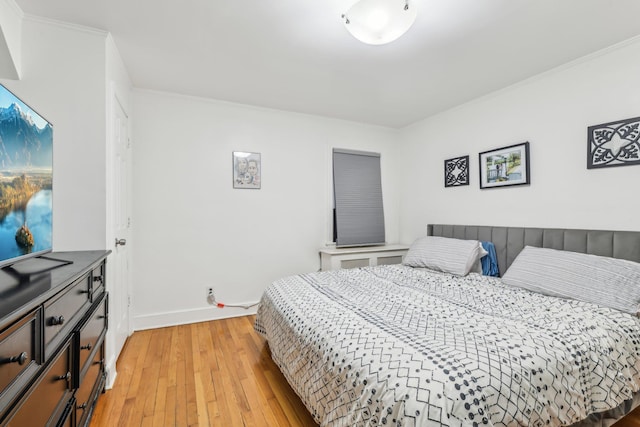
91,386
67,419
19,356
97,281
90,336
46,401
60,313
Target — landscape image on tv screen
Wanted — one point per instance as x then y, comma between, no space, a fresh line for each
26,177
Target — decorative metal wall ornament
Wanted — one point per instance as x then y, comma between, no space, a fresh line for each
456,171
614,144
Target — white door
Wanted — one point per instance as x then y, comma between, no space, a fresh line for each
121,256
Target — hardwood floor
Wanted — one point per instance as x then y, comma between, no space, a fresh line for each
216,373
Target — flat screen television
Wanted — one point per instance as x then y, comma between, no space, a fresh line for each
26,181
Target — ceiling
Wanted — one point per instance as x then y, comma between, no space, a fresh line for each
296,55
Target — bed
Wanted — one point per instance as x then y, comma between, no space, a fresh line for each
406,346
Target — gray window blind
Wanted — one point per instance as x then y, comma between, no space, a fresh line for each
357,195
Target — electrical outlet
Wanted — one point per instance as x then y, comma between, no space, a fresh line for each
211,298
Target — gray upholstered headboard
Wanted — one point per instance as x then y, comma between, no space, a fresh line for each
509,241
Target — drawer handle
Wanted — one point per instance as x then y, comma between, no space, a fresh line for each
86,347
20,359
64,377
82,407
56,320
97,279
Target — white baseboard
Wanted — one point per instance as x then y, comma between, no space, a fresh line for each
174,318
111,373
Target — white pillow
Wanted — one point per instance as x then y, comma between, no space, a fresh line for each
453,256
609,282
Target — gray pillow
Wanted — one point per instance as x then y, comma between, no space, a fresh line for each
609,282
453,256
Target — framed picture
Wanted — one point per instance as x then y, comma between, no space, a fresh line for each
505,166
614,144
456,171
246,170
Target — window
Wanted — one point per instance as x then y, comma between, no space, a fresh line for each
357,196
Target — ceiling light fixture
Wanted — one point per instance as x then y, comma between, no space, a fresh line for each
379,21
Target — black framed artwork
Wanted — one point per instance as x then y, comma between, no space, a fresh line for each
505,166
456,171
613,144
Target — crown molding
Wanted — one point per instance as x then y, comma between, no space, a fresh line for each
66,25
14,7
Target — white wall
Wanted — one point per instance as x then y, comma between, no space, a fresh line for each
10,39
63,74
552,112
193,230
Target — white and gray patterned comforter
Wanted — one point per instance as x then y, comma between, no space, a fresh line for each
400,346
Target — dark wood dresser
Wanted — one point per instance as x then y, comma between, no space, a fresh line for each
53,321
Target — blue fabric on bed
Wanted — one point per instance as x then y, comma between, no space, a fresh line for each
490,261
